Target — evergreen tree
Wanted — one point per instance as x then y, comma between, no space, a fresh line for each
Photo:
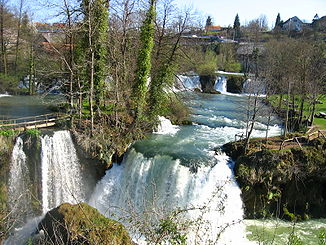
140,87
209,21
236,27
278,22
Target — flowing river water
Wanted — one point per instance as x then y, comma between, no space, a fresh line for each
175,168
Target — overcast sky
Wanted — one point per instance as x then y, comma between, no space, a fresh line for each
223,11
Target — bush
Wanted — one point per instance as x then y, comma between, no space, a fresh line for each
8,132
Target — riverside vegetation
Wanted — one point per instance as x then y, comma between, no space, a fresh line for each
107,59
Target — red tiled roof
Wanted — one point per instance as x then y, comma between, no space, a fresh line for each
213,28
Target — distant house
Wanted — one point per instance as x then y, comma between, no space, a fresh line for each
319,24
213,28
293,24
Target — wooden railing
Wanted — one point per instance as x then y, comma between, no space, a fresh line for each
40,121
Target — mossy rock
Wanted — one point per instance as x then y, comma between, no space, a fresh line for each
272,181
79,224
234,84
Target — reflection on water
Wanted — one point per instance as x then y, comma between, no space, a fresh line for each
25,106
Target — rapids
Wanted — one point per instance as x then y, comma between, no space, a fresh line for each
180,170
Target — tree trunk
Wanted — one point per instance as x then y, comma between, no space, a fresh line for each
18,32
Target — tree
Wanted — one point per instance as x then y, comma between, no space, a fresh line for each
209,21
278,22
236,28
94,49
140,87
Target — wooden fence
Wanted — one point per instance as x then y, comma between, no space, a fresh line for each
40,121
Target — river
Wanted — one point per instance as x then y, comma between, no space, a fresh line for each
175,168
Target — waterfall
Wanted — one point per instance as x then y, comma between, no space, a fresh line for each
61,171
166,127
161,185
18,188
188,83
220,84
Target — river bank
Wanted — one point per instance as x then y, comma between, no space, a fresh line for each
287,183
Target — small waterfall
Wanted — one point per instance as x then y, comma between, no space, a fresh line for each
61,171
156,185
220,84
188,83
18,189
166,127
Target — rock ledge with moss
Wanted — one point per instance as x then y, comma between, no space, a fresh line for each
79,224
288,183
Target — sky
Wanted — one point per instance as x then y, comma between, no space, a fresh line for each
223,12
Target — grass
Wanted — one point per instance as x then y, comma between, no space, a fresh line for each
319,122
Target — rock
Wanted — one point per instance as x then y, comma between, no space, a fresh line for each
284,184
79,224
207,83
234,84
321,115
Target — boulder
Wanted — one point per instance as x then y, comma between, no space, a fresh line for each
207,83
79,224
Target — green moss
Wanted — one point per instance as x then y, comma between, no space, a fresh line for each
6,146
292,177
82,224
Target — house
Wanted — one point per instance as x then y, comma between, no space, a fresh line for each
213,28
319,23
293,24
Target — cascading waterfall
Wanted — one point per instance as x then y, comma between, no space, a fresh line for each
62,180
165,184
61,172
18,189
177,168
188,83
220,84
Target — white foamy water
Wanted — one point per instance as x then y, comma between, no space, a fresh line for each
18,188
22,235
166,127
5,95
141,183
188,83
220,84
61,171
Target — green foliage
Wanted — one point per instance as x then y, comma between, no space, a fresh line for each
101,26
33,132
294,240
8,133
208,63
158,97
322,237
236,27
170,229
209,21
144,61
233,67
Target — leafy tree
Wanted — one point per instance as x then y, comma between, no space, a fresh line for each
140,87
